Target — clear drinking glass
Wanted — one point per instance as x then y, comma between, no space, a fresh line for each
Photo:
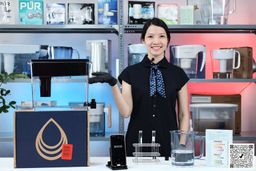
183,147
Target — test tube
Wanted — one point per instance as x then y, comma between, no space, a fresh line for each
153,143
140,136
153,136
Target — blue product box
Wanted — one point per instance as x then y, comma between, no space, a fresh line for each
31,12
107,12
51,138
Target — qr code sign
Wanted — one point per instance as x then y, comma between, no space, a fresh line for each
241,155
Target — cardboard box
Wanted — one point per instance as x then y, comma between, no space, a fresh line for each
31,12
107,12
139,12
217,147
168,12
81,13
51,139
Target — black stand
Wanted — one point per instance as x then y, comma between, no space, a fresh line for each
117,153
116,167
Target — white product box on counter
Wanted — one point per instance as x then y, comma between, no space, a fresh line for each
217,147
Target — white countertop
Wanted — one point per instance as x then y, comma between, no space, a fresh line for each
99,163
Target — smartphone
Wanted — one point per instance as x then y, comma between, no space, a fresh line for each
117,150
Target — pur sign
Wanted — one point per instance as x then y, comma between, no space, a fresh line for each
31,5
31,11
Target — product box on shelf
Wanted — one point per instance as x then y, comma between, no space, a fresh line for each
81,13
107,12
51,138
99,54
55,13
140,11
31,12
168,13
186,15
202,11
7,15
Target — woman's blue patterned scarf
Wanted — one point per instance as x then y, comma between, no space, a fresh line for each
156,82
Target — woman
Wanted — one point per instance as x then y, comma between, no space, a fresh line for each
150,90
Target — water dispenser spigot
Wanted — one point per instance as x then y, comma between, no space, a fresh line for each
92,104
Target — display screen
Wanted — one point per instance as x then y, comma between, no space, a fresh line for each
117,150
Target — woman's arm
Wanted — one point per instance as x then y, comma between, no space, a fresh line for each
123,99
184,115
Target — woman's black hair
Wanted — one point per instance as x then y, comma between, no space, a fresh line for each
156,22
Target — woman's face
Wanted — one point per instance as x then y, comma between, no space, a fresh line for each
156,42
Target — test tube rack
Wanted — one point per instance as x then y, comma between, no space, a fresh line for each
146,152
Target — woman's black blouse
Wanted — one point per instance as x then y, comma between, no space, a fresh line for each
152,113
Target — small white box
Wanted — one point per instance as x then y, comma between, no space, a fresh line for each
186,15
217,147
168,13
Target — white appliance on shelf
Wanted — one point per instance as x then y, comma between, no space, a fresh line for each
99,54
136,53
224,55
224,61
10,50
221,9
191,58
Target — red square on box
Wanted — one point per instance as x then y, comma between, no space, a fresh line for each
67,152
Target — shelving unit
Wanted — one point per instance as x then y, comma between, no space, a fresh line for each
119,31
59,29
59,35
126,29
199,28
207,29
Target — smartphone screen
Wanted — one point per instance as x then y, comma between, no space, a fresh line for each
117,150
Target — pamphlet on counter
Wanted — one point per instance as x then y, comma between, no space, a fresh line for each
217,147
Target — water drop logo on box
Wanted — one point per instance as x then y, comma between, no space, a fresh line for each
31,12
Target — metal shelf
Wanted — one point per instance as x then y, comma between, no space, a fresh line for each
222,80
199,28
58,29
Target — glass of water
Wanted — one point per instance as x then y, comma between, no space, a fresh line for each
183,147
